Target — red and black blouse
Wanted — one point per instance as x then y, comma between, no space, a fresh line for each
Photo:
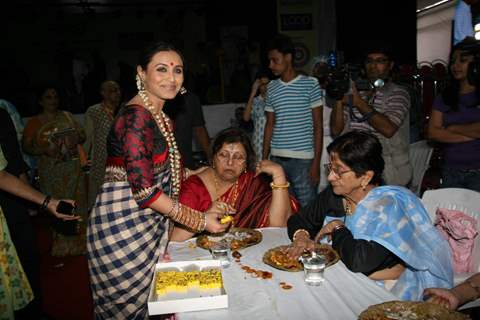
136,145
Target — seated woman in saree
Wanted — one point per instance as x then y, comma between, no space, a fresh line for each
235,180
55,138
383,232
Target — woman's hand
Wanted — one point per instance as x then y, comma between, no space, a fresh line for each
443,297
301,244
327,230
255,86
213,223
52,207
215,213
273,169
196,171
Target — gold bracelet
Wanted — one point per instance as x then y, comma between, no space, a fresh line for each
298,231
279,186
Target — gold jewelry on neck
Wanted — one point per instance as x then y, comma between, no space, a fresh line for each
348,206
167,132
232,196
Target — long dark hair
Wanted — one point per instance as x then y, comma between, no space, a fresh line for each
361,151
451,93
234,135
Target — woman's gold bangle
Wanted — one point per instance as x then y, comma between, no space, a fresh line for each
298,231
279,186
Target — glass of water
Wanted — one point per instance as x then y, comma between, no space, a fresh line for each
221,251
314,267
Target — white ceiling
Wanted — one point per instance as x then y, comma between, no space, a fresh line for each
424,3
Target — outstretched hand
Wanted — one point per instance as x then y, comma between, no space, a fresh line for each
52,208
215,213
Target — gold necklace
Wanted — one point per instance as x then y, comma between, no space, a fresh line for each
348,207
232,196
167,132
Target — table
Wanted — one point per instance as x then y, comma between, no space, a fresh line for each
343,295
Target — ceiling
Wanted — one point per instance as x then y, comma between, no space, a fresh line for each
421,4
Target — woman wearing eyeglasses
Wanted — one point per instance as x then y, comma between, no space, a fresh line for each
383,232
256,195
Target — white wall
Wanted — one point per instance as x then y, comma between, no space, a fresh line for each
434,32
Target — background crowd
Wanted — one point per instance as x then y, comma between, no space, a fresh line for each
133,156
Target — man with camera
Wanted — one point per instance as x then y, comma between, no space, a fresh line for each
382,108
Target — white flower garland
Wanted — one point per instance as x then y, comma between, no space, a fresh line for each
162,122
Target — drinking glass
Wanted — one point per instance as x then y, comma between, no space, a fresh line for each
221,251
314,267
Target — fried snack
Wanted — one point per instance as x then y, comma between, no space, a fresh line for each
281,259
410,310
239,238
226,219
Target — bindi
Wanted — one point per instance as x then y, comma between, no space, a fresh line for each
171,63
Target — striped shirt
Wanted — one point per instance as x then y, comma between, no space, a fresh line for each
395,109
292,104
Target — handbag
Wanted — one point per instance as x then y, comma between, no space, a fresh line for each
460,231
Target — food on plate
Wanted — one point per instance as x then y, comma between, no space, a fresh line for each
281,259
410,310
277,257
238,238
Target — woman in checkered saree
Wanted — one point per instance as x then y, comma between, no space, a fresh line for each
138,198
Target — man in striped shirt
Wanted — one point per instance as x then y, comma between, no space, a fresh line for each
383,111
293,131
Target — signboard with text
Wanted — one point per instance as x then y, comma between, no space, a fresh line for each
295,22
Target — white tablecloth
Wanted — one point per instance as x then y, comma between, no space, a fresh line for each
343,295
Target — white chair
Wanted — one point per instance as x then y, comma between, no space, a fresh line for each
420,154
466,201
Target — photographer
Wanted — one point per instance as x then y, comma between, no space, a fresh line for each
382,109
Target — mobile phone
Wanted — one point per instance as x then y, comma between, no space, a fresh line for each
65,208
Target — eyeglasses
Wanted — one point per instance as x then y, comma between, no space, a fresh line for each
226,157
376,61
338,174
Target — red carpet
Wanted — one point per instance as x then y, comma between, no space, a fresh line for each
64,281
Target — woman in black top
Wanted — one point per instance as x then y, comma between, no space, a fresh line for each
355,167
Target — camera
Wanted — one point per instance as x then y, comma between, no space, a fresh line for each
339,80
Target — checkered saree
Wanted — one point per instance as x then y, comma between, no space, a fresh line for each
123,248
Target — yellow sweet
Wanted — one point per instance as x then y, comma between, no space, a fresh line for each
181,281
226,219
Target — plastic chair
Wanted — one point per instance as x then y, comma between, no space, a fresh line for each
467,201
420,154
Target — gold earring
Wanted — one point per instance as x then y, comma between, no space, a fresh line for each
183,90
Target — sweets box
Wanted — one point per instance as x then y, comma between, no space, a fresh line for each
193,299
